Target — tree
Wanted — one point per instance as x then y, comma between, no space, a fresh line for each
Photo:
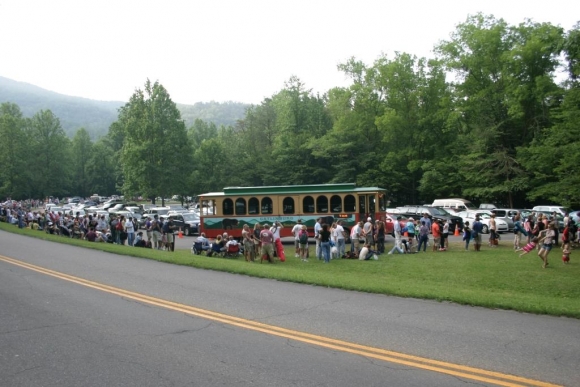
49,150
156,156
13,153
82,147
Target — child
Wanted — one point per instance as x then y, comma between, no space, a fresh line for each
529,247
466,235
566,254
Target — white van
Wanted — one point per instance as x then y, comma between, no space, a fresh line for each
551,208
454,204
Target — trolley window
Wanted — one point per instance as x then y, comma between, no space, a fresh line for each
308,205
322,204
336,203
267,207
288,205
228,207
240,206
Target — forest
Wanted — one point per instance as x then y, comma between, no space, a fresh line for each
494,116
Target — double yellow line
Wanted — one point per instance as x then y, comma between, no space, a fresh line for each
337,345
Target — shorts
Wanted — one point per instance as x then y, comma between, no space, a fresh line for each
445,235
169,237
436,241
547,246
268,249
303,245
296,243
156,236
411,235
477,239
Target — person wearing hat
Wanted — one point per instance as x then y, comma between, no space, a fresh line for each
476,231
130,230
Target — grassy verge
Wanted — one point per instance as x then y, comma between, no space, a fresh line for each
492,278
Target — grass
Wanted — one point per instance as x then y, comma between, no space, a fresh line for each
492,278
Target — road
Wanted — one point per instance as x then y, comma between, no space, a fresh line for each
65,331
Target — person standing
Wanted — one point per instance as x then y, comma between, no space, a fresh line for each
492,231
339,235
466,235
130,230
423,236
257,244
518,231
325,242
155,233
436,231
168,229
368,231
267,240
296,232
411,231
317,229
278,247
248,241
355,236
380,237
476,230
445,235
397,230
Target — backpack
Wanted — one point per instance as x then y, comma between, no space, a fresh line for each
303,237
119,225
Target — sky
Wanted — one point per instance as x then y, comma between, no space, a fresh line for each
227,50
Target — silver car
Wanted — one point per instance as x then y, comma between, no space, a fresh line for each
507,215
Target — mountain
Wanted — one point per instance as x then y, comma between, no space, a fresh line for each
96,116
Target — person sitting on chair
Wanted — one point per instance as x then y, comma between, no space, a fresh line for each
231,242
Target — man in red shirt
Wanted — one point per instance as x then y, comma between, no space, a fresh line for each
267,239
436,231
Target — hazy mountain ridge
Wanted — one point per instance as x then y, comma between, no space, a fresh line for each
96,116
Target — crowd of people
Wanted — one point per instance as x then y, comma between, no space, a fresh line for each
534,232
117,229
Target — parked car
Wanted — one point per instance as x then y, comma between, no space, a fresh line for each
551,208
575,216
436,213
487,206
507,214
188,222
455,204
485,216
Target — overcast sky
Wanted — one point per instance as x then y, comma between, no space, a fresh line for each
227,50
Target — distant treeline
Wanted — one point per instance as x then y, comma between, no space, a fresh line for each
486,119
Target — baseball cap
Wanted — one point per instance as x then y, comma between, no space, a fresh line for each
369,219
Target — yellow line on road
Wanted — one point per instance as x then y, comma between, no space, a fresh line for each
457,370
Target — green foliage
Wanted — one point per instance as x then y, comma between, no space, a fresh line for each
485,119
156,151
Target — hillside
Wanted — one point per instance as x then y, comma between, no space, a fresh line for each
97,116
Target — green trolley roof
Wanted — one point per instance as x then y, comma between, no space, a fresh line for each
294,189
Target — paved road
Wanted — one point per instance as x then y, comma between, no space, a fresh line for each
54,332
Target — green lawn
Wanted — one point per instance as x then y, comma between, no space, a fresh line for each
493,278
